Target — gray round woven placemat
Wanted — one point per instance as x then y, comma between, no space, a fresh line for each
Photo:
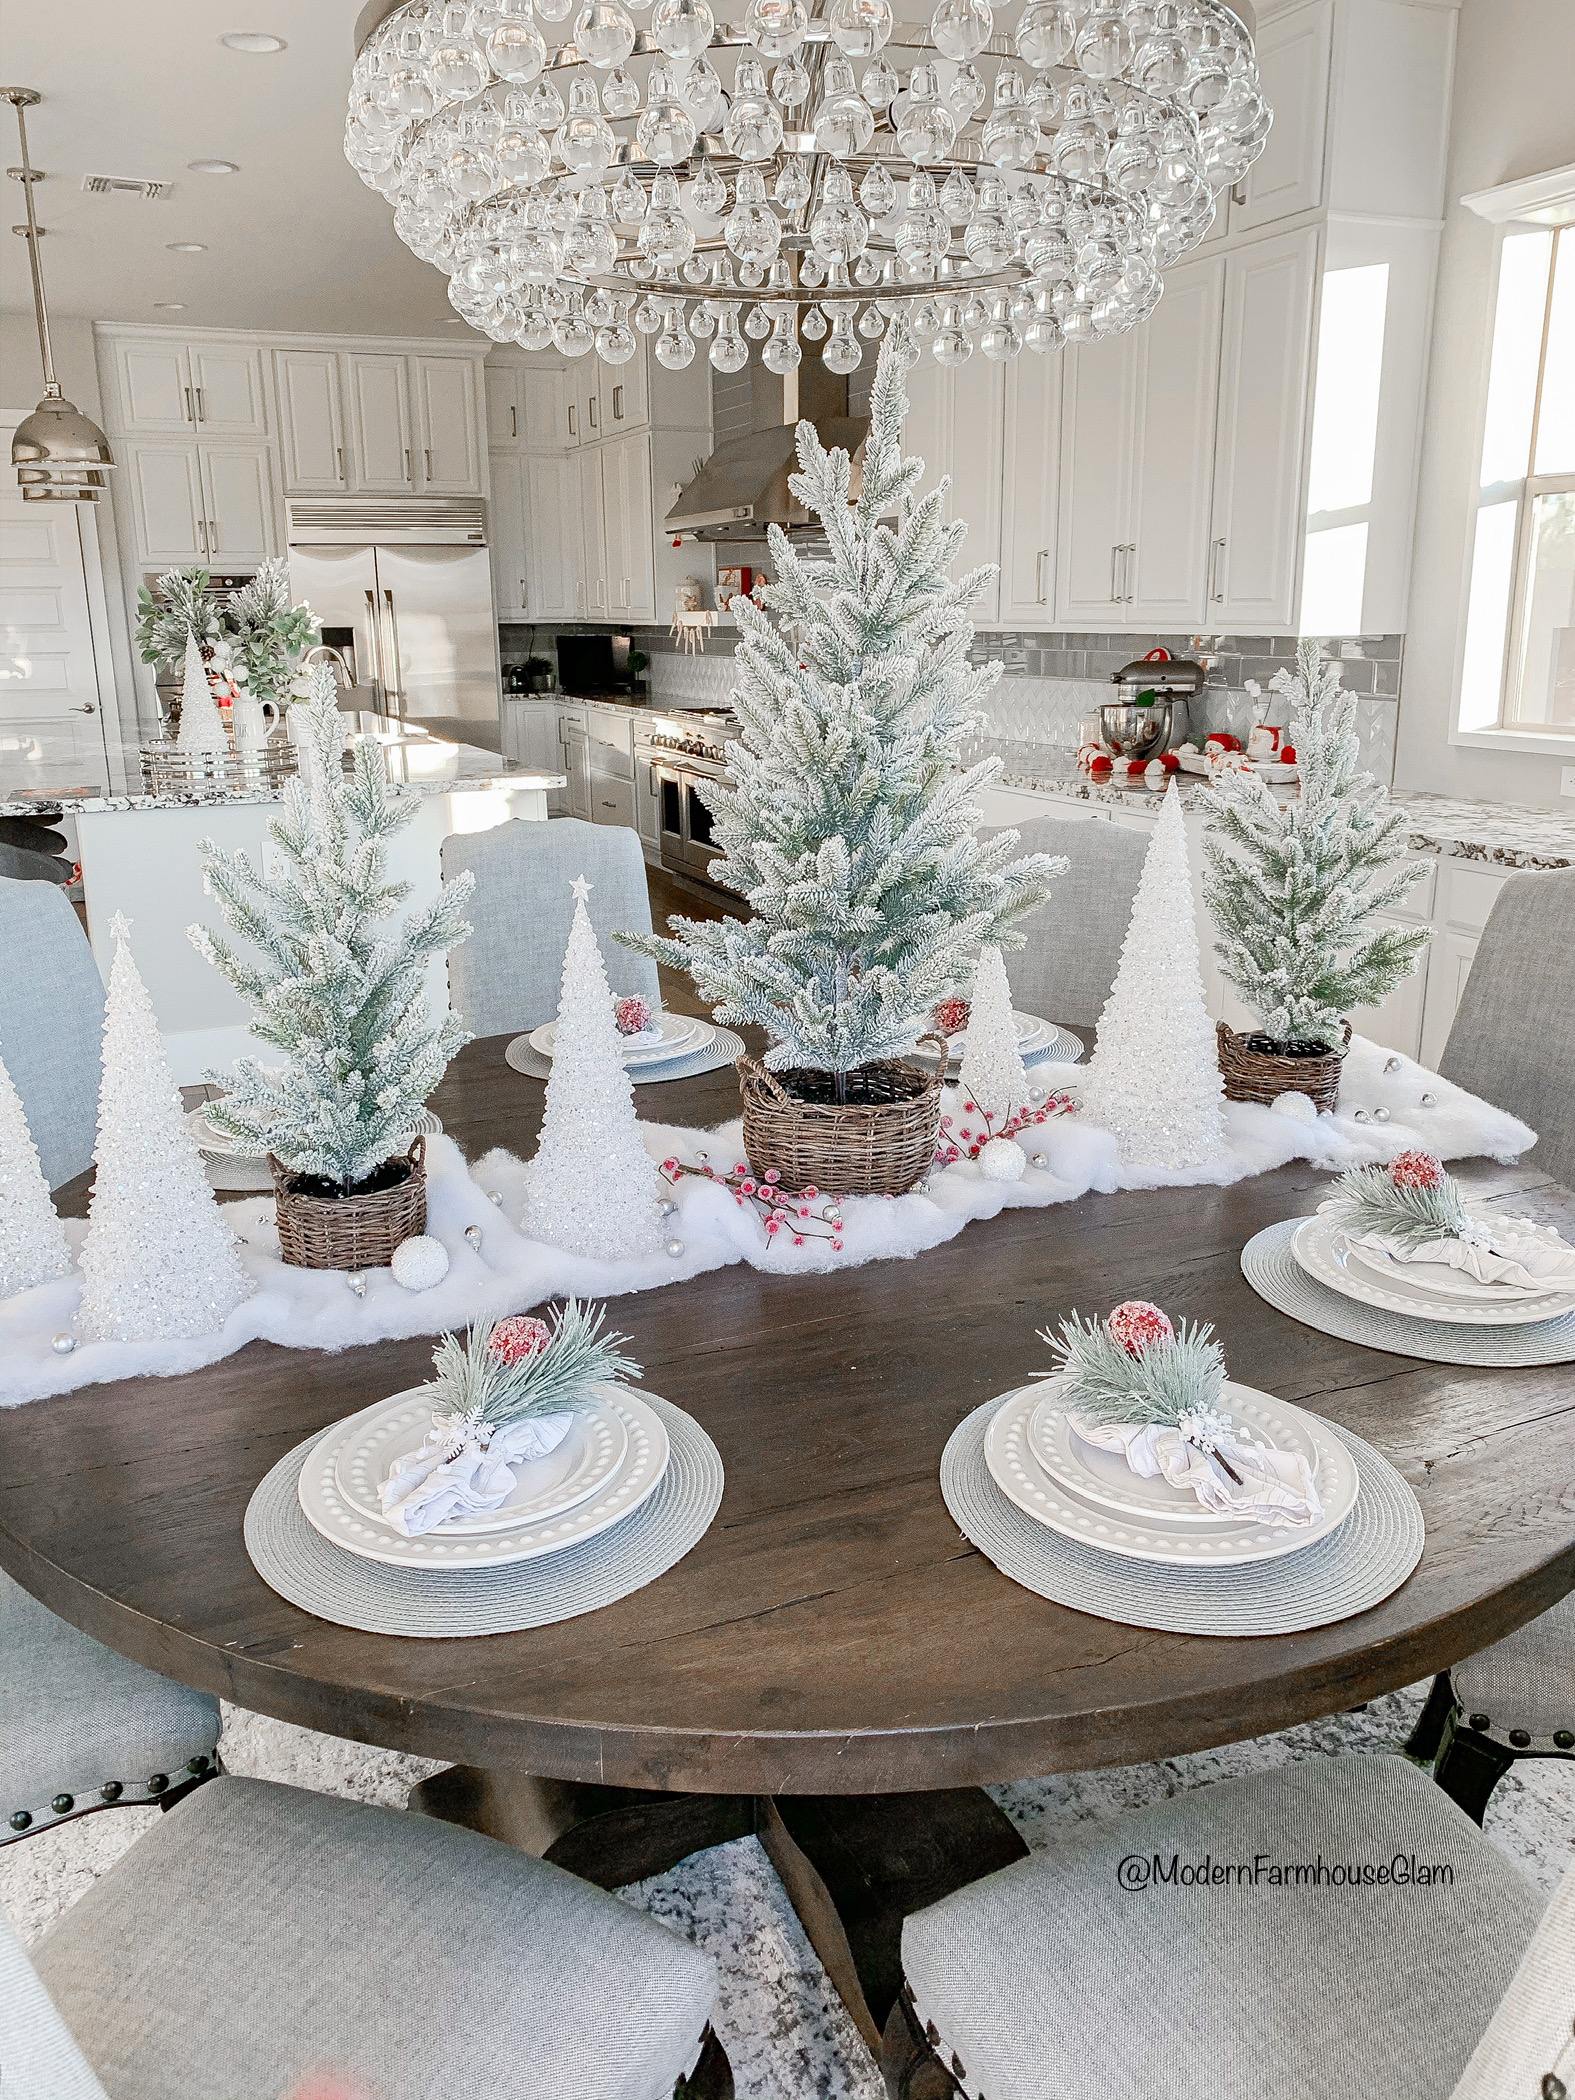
723,1050
455,1604
1276,1275
1063,1048
1350,1571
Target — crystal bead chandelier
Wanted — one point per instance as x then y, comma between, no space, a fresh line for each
800,178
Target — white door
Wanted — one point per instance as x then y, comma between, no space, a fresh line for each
168,508
380,422
313,426
543,423
51,727
1294,52
446,414
553,539
154,386
227,390
592,594
1173,458
1098,407
505,408
625,395
1265,373
239,484
631,533
1029,475
509,584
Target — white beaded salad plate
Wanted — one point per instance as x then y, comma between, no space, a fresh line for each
1438,1278
582,1465
1219,1543
1321,1248
1105,1478
644,1462
670,1035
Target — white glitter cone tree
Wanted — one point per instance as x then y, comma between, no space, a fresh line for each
592,1187
159,1262
33,1244
201,725
1154,1079
993,1074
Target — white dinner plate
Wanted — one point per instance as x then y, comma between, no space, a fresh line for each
1224,1543
582,1464
681,1036
1106,1478
644,1463
1439,1278
212,1142
1032,1034
1320,1246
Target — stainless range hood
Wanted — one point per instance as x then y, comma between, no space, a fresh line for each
743,486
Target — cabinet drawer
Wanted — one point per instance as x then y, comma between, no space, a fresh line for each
1467,892
612,744
612,801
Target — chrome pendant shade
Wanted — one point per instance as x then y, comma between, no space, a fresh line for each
779,180
59,453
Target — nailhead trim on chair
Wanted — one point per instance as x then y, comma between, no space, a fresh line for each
949,2060
114,1793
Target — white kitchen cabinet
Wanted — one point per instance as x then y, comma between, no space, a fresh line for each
629,530
166,384
311,421
624,395
227,389
1029,491
574,745
448,462
1294,51
379,390
241,508
591,593
207,504
1257,523
152,382
530,738
610,750
544,420
956,424
505,385
553,538
506,535
648,807
1098,412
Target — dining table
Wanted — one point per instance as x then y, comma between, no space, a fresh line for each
834,1667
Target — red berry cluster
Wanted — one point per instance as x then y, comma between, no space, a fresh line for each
632,1016
967,1142
1137,1325
515,1339
778,1208
951,1015
1416,1170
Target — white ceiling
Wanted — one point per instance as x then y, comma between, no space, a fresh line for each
294,240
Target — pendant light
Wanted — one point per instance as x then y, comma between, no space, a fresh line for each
58,452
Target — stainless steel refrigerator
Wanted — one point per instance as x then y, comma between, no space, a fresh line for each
404,592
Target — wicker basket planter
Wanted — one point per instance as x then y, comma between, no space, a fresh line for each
879,1142
350,1232
1250,1075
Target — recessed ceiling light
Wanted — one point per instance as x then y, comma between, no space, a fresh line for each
251,40
214,167
170,306
187,247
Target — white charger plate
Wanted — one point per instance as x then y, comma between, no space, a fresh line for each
644,1462
1025,1483
582,1464
1319,1246
1032,1034
681,1036
1105,1477
1440,1278
213,1143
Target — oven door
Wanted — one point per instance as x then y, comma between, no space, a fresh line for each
670,798
700,848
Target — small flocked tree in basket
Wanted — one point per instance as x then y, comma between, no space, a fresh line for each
849,821
1299,893
341,994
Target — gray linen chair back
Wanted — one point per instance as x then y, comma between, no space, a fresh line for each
1074,942
51,1023
506,976
1513,1038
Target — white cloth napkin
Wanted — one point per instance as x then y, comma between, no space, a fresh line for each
652,1033
463,1469
1510,1251
1276,1487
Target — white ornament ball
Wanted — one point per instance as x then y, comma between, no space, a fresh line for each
357,1282
1301,1108
420,1262
675,1249
63,1344
1003,1159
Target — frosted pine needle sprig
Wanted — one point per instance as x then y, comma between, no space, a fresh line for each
510,1370
1174,1380
1412,1211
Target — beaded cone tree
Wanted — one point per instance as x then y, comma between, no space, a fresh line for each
993,1074
1154,1078
201,725
592,1187
849,825
159,1261
33,1244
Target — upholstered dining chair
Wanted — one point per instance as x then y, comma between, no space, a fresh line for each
1065,971
1513,1700
84,1729
260,1934
1513,1035
1138,1957
51,1023
506,976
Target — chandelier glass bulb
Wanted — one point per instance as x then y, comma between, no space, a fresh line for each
1041,196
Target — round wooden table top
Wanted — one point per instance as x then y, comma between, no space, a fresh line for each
833,1632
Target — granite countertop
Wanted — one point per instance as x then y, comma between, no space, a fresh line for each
1502,834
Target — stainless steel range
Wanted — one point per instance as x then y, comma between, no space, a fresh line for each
686,758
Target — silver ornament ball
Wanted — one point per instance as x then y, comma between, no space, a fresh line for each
1037,1159
1361,1116
667,1209
357,1282
675,1248
63,1344
473,1236
495,1196
1393,1064
1430,1101
1380,1115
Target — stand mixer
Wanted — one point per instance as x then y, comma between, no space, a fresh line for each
1153,715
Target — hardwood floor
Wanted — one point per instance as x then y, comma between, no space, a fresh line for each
676,896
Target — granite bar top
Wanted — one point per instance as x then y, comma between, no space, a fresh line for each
1503,834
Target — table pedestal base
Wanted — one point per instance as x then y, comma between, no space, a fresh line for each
854,1865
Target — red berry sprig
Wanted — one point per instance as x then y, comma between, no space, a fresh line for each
1416,1170
632,1016
967,1142
778,1208
518,1337
1137,1325
951,1015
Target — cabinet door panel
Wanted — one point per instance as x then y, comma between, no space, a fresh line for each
635,582
1293,63
380,422
228,391
1097,407
166,501
553,539
510,585
240,503
1030,474
313,427
445,394
543,424
1266,359
154,386
593,595
955,425
1174,459
625,395
505,419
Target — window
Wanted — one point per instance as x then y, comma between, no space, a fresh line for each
1518,672
1344,448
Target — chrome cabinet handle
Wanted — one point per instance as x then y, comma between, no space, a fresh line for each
1129,572
514,421
214,541
617,404
1041,588
427,456
191,412
339,454
202,525
202,405
1217,572
1115,575
574,429
590,410
408,475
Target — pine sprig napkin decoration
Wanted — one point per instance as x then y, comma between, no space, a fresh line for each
514,1370
1412,1201
1135,1367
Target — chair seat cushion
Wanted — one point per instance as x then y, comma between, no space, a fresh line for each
1526,1681
260,1932
1064,1977
75,1718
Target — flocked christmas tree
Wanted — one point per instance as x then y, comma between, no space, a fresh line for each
1154,1078
201,725
592,1187
340,992
993,1074
158,1262
849,825
32,1239
1296,892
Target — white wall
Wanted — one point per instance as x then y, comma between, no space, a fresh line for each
1514,115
